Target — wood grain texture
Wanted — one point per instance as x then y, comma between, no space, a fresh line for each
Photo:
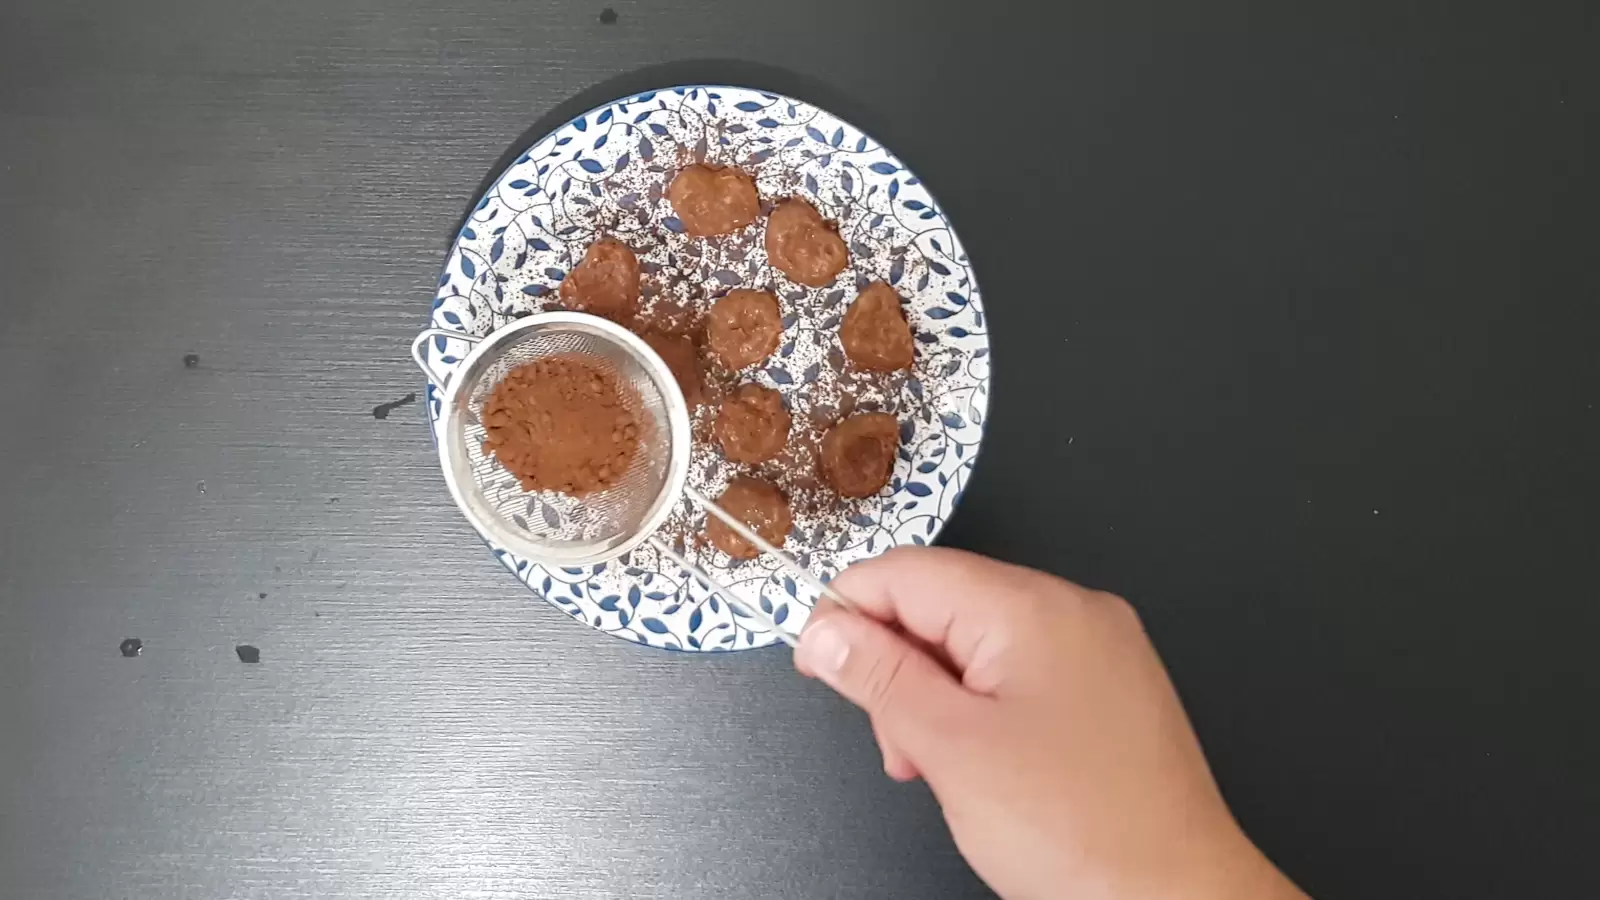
1313,305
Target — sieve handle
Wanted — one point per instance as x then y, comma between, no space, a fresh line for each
784,559
420,345
727,593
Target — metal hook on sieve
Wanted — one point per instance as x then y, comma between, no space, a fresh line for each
418,351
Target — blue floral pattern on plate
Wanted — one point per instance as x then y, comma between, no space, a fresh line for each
604,173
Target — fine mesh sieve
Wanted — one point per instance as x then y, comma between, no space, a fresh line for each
546,525
560,529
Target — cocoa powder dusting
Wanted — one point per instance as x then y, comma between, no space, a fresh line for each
563,423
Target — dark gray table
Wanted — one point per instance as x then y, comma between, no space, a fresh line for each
1295,326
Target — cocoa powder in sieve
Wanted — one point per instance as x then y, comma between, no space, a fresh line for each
564,423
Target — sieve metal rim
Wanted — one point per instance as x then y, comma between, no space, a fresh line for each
451,433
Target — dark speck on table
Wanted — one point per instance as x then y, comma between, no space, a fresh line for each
608,16
382,410
131,646
191,360
248,654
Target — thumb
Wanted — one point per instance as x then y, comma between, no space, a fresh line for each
917,705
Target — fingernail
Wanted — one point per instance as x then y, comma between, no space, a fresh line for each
823,648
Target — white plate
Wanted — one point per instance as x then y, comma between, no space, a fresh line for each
603,173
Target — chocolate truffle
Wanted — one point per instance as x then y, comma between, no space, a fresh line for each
605,283
875,333
858,454
752,424
713,200
803,245
744,327
758,504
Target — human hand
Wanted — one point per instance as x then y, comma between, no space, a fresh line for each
1042,719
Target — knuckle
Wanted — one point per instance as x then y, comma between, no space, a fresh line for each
1117,609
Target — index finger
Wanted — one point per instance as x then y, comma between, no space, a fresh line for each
970,606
